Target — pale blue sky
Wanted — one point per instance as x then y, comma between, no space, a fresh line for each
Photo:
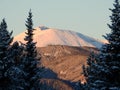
89,17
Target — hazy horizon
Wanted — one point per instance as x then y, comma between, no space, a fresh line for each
87,17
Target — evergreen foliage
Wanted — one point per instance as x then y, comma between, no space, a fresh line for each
10,73
18,63
5,62
103,70
15,73
30,60
8,69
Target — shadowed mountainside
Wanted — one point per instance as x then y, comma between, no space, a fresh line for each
65,61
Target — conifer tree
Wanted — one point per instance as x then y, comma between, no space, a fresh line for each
91,71
15,73
5,63
104,74
30,60
10,73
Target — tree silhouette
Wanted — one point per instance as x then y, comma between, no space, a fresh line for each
30,60
104,72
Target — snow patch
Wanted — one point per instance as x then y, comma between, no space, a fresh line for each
60,37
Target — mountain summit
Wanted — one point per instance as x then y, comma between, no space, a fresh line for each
48,36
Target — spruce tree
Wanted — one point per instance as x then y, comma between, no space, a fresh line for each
15,73
10,73
30,60
104,74
5,63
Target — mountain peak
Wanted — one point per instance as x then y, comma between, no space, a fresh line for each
48,36
42,27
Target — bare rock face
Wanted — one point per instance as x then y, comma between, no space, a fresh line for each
42,27
65,61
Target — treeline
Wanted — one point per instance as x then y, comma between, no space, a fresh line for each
18,62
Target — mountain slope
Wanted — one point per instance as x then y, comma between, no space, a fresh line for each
64,62
48,36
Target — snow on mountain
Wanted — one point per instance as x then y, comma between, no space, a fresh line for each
48,36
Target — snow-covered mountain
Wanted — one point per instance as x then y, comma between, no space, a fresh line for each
48,36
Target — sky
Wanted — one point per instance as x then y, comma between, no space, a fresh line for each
89,17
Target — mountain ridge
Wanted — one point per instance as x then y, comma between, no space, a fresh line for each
49,36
